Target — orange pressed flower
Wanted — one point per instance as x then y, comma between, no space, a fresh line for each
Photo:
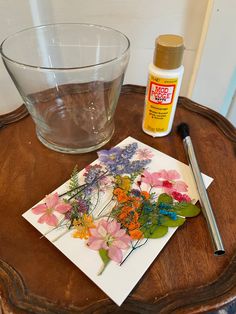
123,215
124,212
134,216
129,218
133,225
145,194
136,203
121,196
117,191
136,234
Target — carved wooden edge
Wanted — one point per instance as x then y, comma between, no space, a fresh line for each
14,116
15,294
200,299
222,123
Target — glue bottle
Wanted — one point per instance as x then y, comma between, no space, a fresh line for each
164,81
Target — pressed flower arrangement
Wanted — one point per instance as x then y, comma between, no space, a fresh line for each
118,204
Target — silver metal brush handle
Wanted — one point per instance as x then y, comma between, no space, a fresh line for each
203,197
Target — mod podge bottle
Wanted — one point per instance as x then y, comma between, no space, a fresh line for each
164,81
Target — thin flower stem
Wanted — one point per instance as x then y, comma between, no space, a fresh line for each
151,187
83,186
140,245
133,248
102,269
74,189
73,196
105,207
54,228
127,256
95,205
108,217
88,184
46,233
98,218
61,235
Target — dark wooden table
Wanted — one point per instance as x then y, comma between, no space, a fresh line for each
185,278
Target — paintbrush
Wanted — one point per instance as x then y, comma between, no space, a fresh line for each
183,130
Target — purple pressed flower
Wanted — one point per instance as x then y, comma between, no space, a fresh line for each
82,205
92,173
68,214
135,192
136,165
127,167
129,151
118,169
118,162
109,156
88,190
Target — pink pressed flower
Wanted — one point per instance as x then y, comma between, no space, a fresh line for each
180,186
174,186
151,178
169,174
181,197
186,198
171,182
108,235
167,184
52,203
144,153
165,179
105,182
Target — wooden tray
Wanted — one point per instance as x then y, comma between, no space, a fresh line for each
185,278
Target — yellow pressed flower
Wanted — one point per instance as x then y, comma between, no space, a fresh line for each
82,226
123,182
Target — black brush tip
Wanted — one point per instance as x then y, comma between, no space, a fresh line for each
183,130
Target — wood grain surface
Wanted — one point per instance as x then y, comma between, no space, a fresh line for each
185,278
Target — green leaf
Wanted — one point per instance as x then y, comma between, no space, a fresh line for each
74,181
165,198
168,222
155,231
186,209
105,258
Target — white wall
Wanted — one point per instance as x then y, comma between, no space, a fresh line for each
142,21
215,81
14,15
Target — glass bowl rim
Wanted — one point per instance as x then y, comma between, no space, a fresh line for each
4,56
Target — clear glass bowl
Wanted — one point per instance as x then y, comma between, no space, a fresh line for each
70,77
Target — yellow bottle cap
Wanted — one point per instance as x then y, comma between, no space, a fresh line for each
168,51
